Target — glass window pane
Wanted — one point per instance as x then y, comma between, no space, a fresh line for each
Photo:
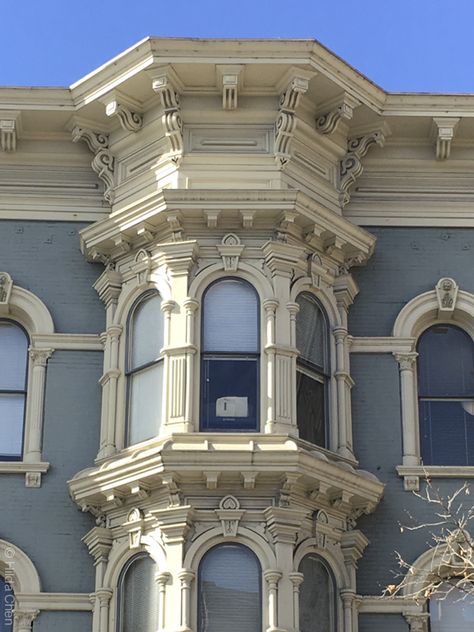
447,432
13,356
146,390
229,590
7,601
317,607
310,409
139,597
12,408
147,331
230,388
445,363
311,331
231,317
452,613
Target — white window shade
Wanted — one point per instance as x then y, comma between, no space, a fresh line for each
452,611
317,596
311,331
139,597
147,331
13,356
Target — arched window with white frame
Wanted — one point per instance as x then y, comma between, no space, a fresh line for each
230,357
13,379
145,368
229,590
446,395
138,595
317,596
312,371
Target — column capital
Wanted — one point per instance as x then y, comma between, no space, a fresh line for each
186,576
40,357
270,305
191,304
104,595
162,578
24,619
272,576
406,361
296,578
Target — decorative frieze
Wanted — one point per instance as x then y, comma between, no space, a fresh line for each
103,162
350,167
285,125
172,121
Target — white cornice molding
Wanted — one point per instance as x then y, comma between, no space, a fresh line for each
387,344
71,602
68,342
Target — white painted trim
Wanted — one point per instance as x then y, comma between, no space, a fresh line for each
436,471
14,563
387,605
20,467
381,344
68,342
54,601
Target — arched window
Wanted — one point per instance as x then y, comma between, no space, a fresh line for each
138,596
317,596
13,375
452,611
230,354
446,396
7,601
312,370
145,368
229,590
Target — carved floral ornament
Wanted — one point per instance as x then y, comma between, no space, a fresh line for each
446,293
6,285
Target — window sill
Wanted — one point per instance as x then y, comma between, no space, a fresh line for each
413,473
32,471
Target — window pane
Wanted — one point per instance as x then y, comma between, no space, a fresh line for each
229,590
310,409
310,331
7,600
13,357
12,408
445,363
146,390
147,331
317,611
447,432
230,390
139,597
231,317
454,613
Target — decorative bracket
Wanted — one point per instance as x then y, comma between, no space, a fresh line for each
172,121
447,294
134,527
336,111
285,125
6,285
9,129
443,132
350,167
125,109
229,78
230,250
103,162
230,514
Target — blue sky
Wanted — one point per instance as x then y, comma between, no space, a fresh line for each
403,45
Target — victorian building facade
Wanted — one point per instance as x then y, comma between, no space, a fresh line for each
236,325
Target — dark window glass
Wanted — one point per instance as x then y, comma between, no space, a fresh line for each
452,612
7,601
446,396
138,596
145,369
229,590
312,370
317,596
13,373
230,359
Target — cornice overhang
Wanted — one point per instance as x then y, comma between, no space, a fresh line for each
312,221
192,458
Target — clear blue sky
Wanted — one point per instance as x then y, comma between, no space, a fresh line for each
412,45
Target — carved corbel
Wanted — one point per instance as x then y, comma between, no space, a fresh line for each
103,162
447,294
125,109
10,122
443,132
350,167
229,79
172,120
174,222
285,125
341,109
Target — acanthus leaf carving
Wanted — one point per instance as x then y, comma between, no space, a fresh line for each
103,161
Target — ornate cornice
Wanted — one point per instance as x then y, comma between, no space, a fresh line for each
103,161
125,110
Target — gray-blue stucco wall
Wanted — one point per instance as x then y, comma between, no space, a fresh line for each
407,262
44,257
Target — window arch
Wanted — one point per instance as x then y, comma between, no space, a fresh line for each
13,378
446,396
229,590
312,370
317,596
138,598
451,610
230,357
145,368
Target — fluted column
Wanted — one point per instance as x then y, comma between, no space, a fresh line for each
190,305
409,406
270,306
296,579
162,579
108,382
185,577
272,577
35,404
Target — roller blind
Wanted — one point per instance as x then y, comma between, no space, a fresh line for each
147,331
139,597
311,331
